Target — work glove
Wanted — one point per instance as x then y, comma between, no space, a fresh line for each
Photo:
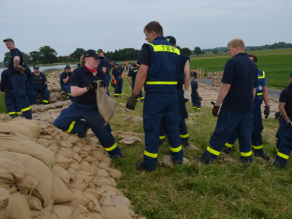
215,109
186,95
267,111
131,103
69,74
288,123
35,88
102,83
201,98
92,86
115,82
42,89
20,68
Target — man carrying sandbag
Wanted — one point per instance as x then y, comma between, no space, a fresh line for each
65,81
40,84
83,86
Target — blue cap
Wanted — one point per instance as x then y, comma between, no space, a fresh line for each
68,67
291,75
195,74
171,39
36,67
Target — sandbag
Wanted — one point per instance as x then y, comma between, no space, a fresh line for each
106,105
34,203
106,160
44,142
116,174
102,173
76,149
62,174
15,142
98,195
97,216
81,182
45,213
18,207
9,187
10,171
103,165
106,199
85,166
4,201
62,161
60,192
61,212
121,200
73,139
93,170
79,197
100,181
41,173
72,173
27,185
97,154
76,157
115,211
93,205
67,153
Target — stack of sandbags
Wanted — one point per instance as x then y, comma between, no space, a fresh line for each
209,75
50,174
216,81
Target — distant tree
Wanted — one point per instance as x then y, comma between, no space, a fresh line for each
26,58
215,52
203,52
197,50
178,47
227,50
6,58
34,56
77,53
186,51
47,55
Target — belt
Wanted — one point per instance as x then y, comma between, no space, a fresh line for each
179,86
83,103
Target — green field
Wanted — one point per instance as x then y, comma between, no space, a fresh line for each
277,65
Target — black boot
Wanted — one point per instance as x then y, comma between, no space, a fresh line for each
140,167
264,156
83,135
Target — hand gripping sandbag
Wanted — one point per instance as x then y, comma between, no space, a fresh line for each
106,105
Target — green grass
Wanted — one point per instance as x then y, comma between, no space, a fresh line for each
2,104
222,190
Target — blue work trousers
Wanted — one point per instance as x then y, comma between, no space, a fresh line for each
29,93
183,114
11,105
70,121
107,81
161,109
67,89
140,96
18,82
256,136
45,94
227,122
118,87
196,101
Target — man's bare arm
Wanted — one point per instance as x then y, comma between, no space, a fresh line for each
16,61
187,74
140,79
283,111
266,95
223,92
77,91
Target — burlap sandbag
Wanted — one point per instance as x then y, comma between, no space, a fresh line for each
121,200
67,153
34,203
10,171
4,201
97,216
61,212
62,174
106,105
45,213
81,182
27,185
96,194
62,161
15,142
61,193
18,207
115,211
114,173
41,173
79,197
72,173
93,205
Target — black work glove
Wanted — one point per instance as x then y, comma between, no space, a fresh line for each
35,88
42,89
102,83
288,123
201,98
69,74
30,81
184,100
267,111
92,86
131,103
215,109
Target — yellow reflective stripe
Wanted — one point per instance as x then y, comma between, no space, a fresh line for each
138,99
162,82
162,137
111,148
45,101
246,154
71,127
141,98
198,108
150,154
229,145
212,151
17,112
277,150
69,94
264,75
184,136
259,94
258,147
283,155
26,109
11,113
164,48
195,107
175,149
67,97
118,94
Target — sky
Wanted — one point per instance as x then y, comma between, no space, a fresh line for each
114,24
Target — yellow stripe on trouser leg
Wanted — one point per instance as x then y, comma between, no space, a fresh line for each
45,101
178,149
198,108
229,145
161,82
283,155
71,127
212,151
67,97
69,94
26,109
141,98
184,136
11,113
257,147
150,154
17,113
162,137
246,154
111,148
195,107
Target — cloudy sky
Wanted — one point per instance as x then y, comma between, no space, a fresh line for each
91,24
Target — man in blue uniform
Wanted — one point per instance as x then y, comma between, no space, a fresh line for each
237,93
284,142
117,77
104,65
196,97
29,86
7,90
182,96
65,81
256,137
132,73
159,71
83,86
18,79
40,84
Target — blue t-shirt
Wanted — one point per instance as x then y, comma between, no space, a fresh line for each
104,63
62,77
14,52
194,86
286,97
116,72
133,73
6,80
81,77
28,74
242,74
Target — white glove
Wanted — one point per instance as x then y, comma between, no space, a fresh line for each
187,94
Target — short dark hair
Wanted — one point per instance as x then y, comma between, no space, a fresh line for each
255,59
155,27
